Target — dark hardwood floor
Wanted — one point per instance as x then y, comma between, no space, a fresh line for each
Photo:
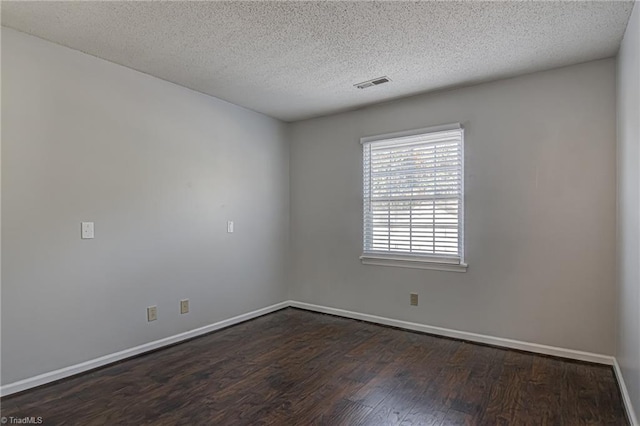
294,367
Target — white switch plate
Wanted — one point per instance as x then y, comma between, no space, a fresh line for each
87,230
230,226
184,306
152,313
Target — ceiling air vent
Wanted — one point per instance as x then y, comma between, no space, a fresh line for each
373,82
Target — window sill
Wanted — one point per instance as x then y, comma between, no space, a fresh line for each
412,262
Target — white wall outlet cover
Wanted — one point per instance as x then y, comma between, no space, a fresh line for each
87,230
184,306
152,313
230,226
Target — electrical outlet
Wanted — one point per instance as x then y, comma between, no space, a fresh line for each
414,299
152,313
184,306
87,230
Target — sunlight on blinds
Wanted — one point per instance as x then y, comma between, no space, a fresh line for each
413,188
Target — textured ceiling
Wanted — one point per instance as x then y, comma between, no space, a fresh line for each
294,60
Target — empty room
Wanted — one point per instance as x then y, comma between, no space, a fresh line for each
326,212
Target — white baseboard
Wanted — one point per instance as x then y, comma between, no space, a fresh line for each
463,335
626,398
52,376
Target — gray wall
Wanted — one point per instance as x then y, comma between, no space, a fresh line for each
540,211
628,347
159,169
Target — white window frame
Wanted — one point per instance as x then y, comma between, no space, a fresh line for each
416,260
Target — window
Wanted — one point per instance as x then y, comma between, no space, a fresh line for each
413,199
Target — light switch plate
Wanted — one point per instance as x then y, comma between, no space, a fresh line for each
184,306
230,226
87,230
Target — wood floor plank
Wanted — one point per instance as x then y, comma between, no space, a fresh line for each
455,418
294,367
418,417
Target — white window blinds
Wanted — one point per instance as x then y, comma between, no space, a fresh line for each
413,194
